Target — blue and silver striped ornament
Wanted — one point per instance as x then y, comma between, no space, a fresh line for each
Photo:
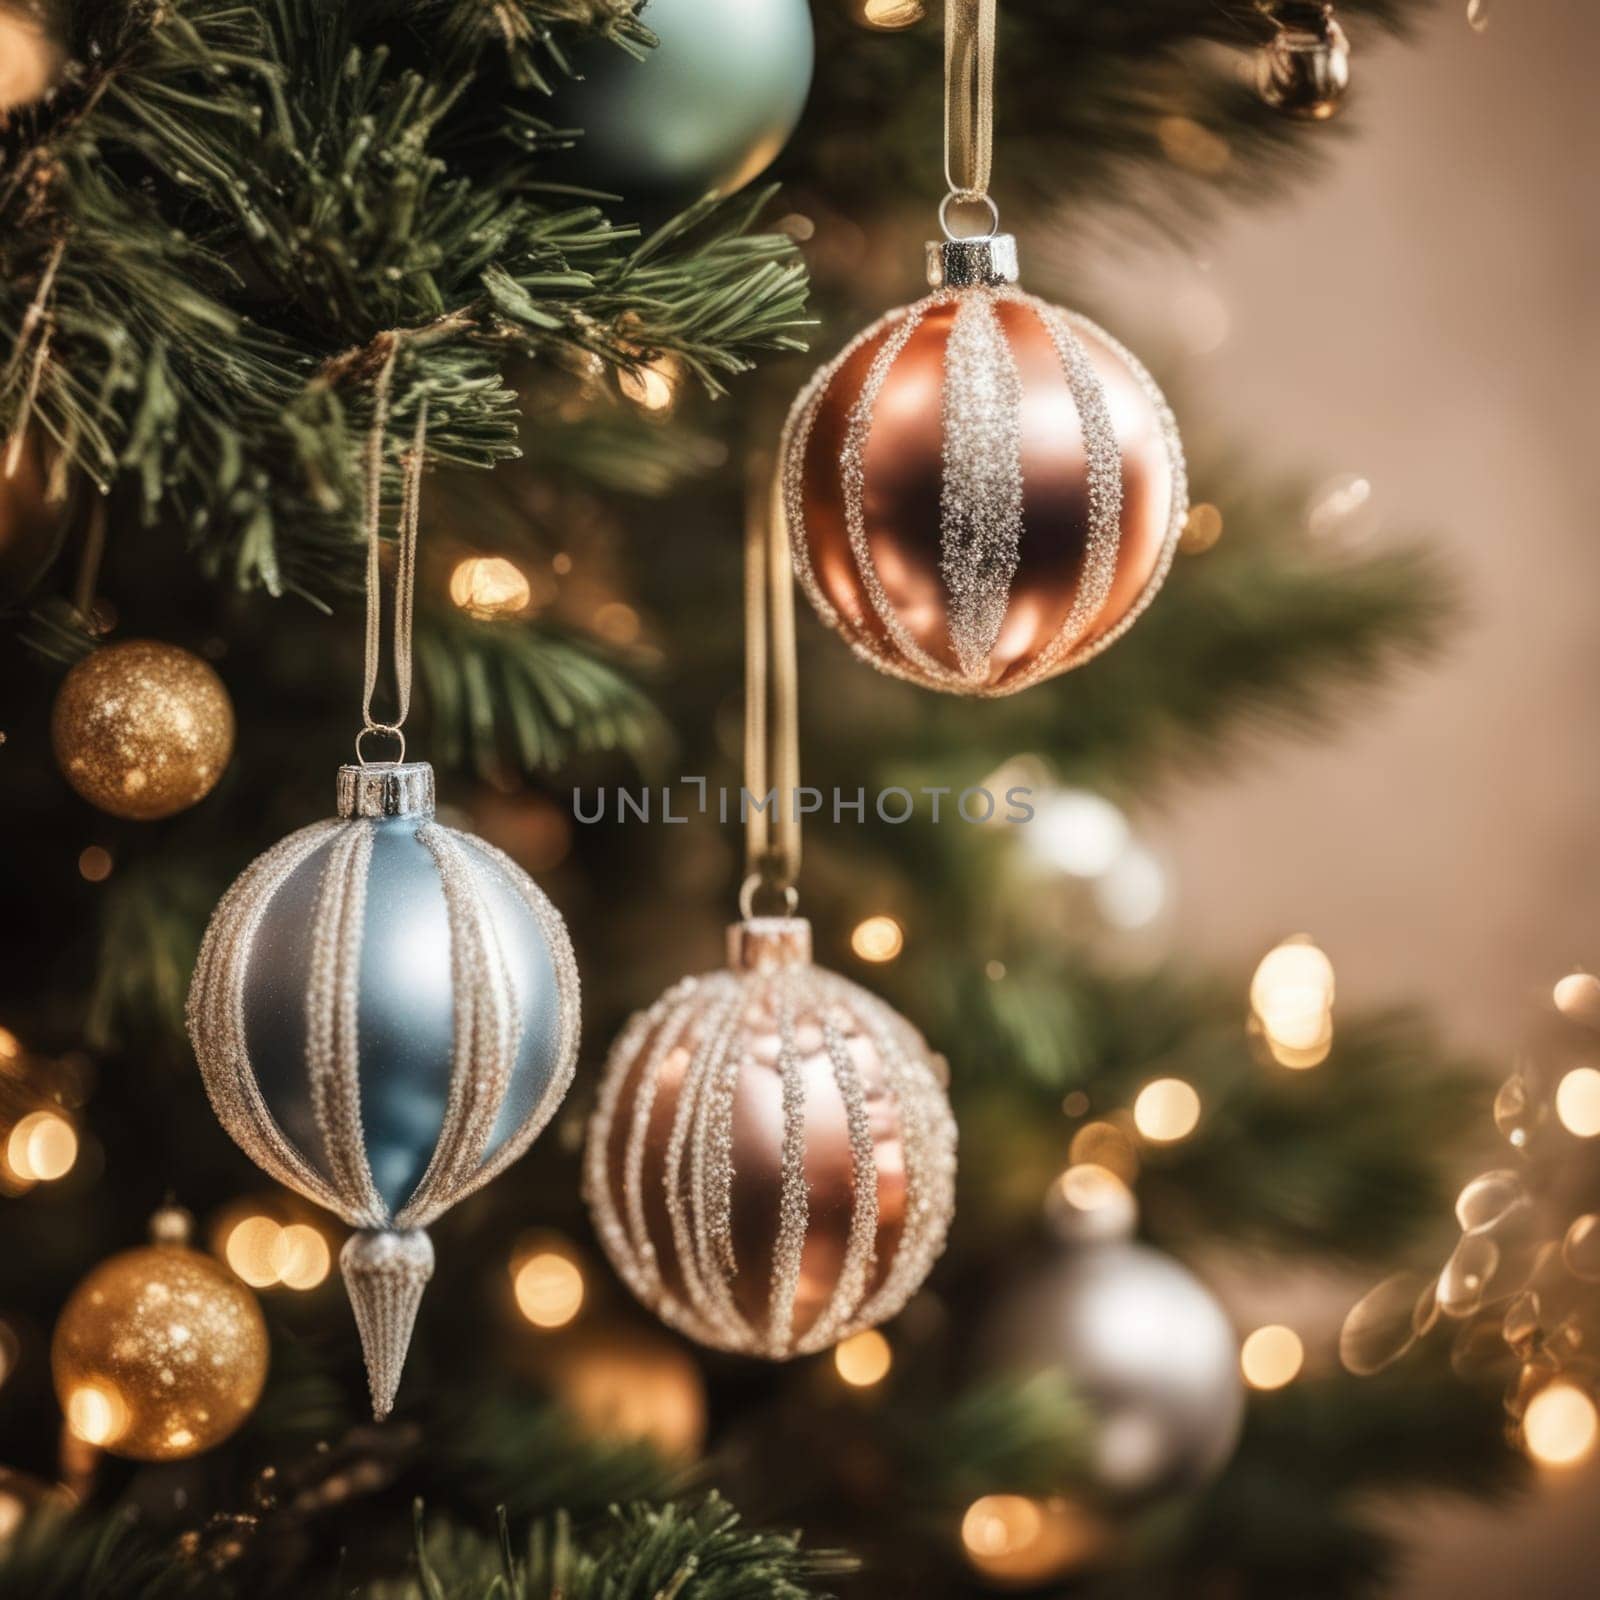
385,1011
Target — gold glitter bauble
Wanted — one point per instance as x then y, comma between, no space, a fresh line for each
142,729
160,1353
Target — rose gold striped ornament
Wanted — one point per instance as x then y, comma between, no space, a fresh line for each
771,1166
982,490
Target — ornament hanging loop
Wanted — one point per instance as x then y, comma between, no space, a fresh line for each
405,578
957,199
771,704
969,36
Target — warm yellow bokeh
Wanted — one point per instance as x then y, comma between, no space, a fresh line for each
1560,1425
43,1146
1271,1357
1168,1109
878,939
864,1359
1578,1102
549,1289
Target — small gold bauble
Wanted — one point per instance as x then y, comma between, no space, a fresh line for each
160,1353
142,729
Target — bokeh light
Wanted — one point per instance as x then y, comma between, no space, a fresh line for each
549,1289
42,1147
300,1257
489,586
889,15
1578,1102
1560,1425
863,1359
1291,997
1167,1109
95,864
1578,996
1271,1357
250,1248
1014,1540
878,939
97,1413
651,385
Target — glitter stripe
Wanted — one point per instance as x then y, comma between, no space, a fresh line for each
487,1027
853,477
793,1200
711,1172
861,1246
1179,511
980,496
1103,474
569,1011
333,1049
216,1020
669,1037
684,1218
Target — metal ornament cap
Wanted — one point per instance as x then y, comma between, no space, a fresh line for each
386,789
968,263
385,1271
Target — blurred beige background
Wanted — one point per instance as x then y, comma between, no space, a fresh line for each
1425,318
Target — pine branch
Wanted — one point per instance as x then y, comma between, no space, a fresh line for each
504,693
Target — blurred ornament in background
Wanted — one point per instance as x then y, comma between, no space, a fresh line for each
1109,888
142,729
1141,1341
629,1384
30,59
771,1166
982,490
708,109
1291,1003
160,1353
386,1015
32,526
1303,70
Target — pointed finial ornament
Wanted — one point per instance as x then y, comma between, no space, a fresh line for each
385,1271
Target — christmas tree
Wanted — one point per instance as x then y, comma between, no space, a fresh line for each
271,271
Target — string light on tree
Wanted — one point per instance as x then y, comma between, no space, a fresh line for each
1016,1540
863,1359
1291,1003
1271,1357
42,1147
1578,1102
1577,997
1167,1110
548,1285
629,1384
878,938
889,16
1560,1425
30,60
652,384
490,586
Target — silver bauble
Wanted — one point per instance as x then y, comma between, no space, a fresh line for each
386,1015
1143,1344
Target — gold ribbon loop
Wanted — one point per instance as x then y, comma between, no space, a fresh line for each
969,28
405,578
771,702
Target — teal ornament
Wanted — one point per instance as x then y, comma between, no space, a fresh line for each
385,1011
707,110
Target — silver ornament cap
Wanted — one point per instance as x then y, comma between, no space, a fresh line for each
984,261
386,789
